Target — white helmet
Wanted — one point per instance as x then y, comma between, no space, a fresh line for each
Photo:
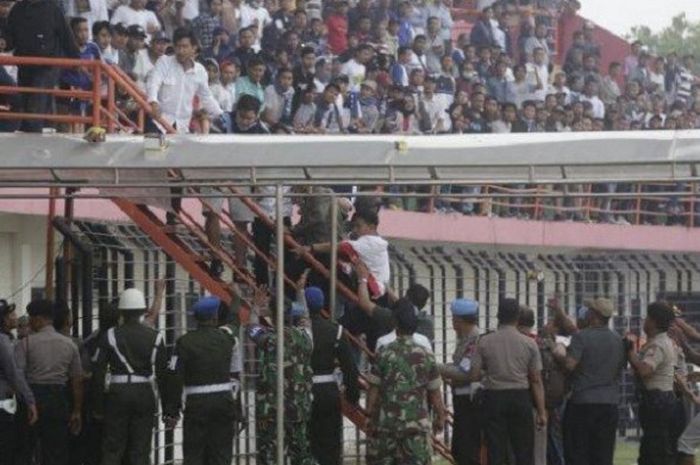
132,299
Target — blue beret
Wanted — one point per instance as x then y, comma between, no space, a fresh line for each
314,299
207,307
465,307
581,312
296,310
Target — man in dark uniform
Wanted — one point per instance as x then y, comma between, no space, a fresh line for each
132,353
109,318
38,28
330,349
200,368
466,435
49,361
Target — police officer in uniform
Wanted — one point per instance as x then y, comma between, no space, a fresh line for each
466,435
13,387
49,360
200,368
329,349
129,357
655,368
512,381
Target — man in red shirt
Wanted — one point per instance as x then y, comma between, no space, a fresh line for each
337,25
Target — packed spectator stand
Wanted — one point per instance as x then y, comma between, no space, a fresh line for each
374,67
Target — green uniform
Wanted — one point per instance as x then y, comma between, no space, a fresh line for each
124,392
404,372
297,394
201,368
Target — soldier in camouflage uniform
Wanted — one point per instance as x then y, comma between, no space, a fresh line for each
467,432
402,378
297,388
205,368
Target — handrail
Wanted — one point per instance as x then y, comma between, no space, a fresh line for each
97,70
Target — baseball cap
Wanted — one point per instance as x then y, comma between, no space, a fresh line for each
603,307
160,36
136,31
211,62
120,28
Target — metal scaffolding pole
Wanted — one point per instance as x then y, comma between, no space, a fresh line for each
279,324
334,257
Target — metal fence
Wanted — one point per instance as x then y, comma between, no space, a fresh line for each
114,256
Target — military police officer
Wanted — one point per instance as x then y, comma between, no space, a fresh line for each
466,435
297,387
129,357
403,379
655,368
200,368
329,347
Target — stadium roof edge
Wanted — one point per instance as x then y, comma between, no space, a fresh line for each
533,158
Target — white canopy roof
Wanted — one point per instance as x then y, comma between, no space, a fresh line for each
506,158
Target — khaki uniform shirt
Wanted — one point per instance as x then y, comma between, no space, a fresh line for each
48,357
660,354
507,356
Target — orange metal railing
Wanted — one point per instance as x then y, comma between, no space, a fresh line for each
104,109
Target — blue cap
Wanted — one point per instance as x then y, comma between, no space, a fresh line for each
465,307
207,307
582,312
314,299
296,310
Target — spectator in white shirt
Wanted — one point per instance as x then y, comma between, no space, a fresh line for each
147,58
538,74
254,14
539,40
433,109
102,36
229,74
610,89
436,45
136,14
559,87
214,76
632,60
278,99
418,58
590,94
176,80
355,69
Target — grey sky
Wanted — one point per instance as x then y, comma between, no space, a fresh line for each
620,15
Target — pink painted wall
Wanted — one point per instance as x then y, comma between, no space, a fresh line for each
449,228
